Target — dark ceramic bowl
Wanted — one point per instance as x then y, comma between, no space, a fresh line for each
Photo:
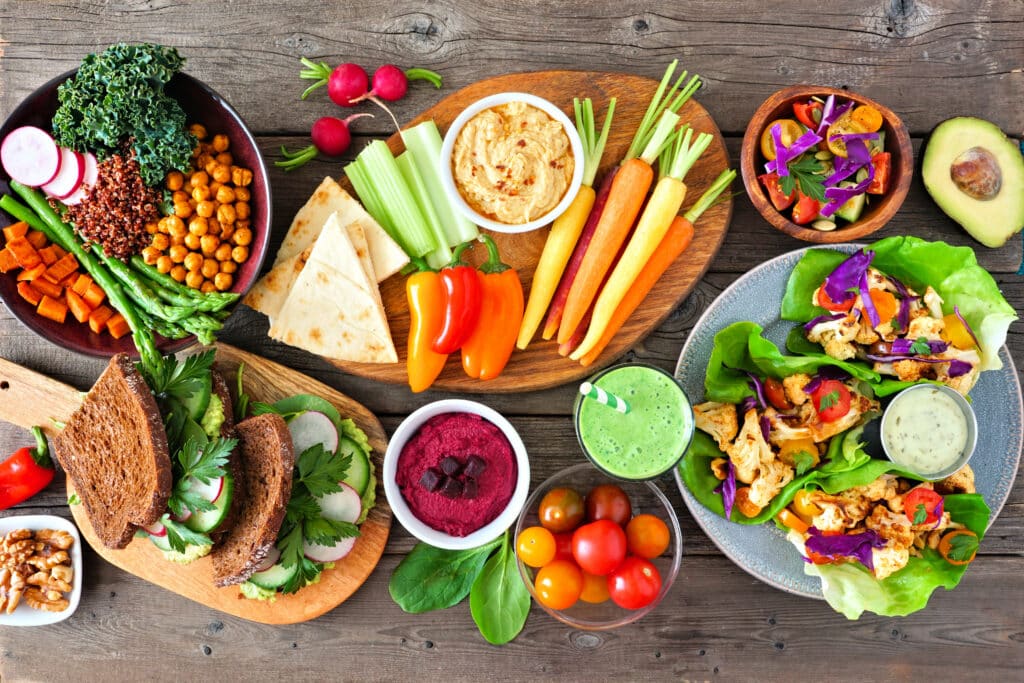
201,105
876,214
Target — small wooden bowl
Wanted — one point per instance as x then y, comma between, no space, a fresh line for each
878,212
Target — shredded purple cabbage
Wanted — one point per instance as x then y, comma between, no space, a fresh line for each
837,196
747,403
843,169
766,427
783,155
833,372
867,302
967,326
823,319
728,489
958,368
841,284
938,513
813,385
902,346
906,299
857,546
830,113
758,386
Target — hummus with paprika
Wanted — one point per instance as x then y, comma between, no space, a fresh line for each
457,473
512,163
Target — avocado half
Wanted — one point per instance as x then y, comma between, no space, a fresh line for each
976,176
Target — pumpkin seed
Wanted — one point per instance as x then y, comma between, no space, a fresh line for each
823,225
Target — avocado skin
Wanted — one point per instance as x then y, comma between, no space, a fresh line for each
992,222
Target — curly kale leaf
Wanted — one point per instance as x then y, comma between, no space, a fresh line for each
118,96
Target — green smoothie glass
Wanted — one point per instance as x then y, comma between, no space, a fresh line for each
644,442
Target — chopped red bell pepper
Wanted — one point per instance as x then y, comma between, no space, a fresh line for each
806,209
27,472
779,198
883,165
463,295
808,113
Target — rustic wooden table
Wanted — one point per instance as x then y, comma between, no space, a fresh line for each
927,61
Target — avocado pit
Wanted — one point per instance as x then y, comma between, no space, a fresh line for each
976,173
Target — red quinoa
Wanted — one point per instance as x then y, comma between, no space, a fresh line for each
118,208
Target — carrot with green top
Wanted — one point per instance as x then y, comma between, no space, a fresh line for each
676,240
676,161
566,230
627,195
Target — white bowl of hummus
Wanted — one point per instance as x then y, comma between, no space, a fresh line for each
512,162
456,474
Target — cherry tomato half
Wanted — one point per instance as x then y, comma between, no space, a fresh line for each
780,200
647,536
536,546
806,209
595,589
559,584
775,392
922,505
599,547
608,501
561,509
634,584
790,129
831,399
844,125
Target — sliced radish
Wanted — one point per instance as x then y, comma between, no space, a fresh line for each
89,178
311,428
182,518
155,529
69,177
30,156
210,491
328,553
342,506
270,560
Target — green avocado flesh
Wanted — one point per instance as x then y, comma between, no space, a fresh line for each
976,176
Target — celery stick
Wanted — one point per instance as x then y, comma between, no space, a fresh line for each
367,194
396,198
441,256
423,143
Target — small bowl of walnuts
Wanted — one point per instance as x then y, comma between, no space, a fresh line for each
40,570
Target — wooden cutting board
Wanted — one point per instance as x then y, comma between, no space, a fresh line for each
540,366
28,398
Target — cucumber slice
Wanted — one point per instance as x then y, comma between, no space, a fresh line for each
358,475
208,520
852,209
160,542
274,577
197,403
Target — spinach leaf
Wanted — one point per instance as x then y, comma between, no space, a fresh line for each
430,578
499,600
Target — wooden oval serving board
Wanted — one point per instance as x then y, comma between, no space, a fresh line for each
540,366
30,399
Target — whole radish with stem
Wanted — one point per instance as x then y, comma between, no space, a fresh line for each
331,136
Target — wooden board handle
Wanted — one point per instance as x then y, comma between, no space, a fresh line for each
28,398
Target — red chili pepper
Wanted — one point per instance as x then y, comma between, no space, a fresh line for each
463,294
488,349
27,472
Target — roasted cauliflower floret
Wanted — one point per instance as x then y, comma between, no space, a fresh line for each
889,560
893,527
770,480
927,327
859,405
794,386
839,512
934,302
749,450
836,336
717,419
961,481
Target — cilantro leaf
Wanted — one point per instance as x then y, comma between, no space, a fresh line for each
179,535
920,514
962,547
828,400
802,462
289,542
920,347
301,505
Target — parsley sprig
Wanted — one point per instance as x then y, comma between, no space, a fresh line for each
179,380
201,462
962,547
807,172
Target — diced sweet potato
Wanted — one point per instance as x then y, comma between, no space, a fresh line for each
24,253
118,326
7,261
99,317
58,251
94,295
62,268
52,308
50,289
29,293
19,229
81,284
77,306
47,255
30,274
36,238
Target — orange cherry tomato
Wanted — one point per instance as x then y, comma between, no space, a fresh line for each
559,584
595,589
869,118
536,546
647,536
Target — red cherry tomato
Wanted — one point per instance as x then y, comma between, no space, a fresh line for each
635,583
780,200
559,584
608,501
831,399
806,209
808,113
561,509
647,536
922,505
563,546
599,547
775,392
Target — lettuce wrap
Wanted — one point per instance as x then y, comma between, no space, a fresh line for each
953,272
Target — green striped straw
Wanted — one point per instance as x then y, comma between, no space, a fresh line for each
604,398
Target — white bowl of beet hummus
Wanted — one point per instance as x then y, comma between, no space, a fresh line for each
456,474
512,162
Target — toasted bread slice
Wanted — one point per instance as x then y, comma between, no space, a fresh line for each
268,461
114,448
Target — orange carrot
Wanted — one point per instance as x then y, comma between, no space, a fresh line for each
47,255
30,274
24,253
50,289
629,189
81,284
7,261
77,306
36,238
19,229
52,308
94,295
62,268
98,318
675,242
117,326
29,293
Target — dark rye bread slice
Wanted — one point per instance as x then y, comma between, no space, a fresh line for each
227,431
114,448
268,461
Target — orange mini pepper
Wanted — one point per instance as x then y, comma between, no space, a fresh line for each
486,352
426,317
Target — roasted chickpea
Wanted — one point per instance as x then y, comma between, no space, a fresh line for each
240,254
223,252
222,173
199,130
205,208
226,230
242,209
201,193
228,266
178,239
223,281
225,195
220,142
207,287
210,267
182,209
180,196
178,252
215,186
179,273
242,194
194,279
150,255
177,227
199,226
164,264
226,214
209,244
160,241
215,227
192,241
241,177
174,180
193,261
225,158
203,159
242,237
210,165
151,227
199,179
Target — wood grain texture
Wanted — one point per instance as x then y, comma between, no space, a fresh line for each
539,366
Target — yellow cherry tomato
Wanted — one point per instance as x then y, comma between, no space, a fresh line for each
844,125
789,519
535,546
804,507
868,117
595,589
791,130
956,334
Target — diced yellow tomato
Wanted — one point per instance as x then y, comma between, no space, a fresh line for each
788,518
956,334
791,130
789,449
804,507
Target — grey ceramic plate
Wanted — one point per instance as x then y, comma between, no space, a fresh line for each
763,551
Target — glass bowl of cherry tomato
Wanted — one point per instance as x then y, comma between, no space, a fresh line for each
595,552
844,169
